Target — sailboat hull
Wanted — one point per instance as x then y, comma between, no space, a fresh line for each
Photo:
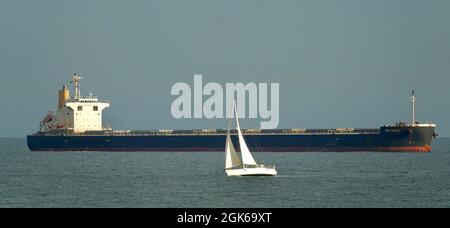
259,171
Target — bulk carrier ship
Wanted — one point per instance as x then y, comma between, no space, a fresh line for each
77,126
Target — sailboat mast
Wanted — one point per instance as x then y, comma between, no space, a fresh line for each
238,129
228,126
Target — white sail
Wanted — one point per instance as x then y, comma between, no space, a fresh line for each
231,157
247,157
234,166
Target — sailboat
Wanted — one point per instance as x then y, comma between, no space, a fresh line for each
247,166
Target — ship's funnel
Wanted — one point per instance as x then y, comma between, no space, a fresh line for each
63,96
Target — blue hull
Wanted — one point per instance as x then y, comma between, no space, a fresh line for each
405,139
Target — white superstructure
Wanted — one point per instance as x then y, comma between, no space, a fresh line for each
77,113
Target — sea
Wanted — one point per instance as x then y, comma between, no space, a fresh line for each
187,180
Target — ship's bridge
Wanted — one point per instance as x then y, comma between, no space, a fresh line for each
84,100
78,113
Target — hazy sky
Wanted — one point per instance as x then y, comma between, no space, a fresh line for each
340,63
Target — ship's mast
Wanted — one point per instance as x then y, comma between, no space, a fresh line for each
413,101
76,83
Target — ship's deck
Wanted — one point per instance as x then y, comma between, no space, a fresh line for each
213,132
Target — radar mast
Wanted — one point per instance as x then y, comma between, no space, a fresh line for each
76,83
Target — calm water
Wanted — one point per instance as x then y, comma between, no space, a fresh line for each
80,179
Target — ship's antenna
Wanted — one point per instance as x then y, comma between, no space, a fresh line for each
76,83
413,101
